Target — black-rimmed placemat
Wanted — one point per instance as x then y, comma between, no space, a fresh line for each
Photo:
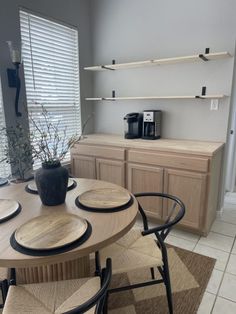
104,210
18,210
27,189
63,249
3,182
74,185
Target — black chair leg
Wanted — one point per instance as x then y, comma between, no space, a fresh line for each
97,264
4,286
152,273
13,275
105,306
168,288
1,305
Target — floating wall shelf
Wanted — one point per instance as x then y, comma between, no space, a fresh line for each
220,96
184,59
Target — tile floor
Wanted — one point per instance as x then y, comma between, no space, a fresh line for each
220,295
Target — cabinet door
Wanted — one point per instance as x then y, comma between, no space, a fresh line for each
142,178
83,167
190,187
110,171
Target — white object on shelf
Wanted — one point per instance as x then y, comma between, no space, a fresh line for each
193,58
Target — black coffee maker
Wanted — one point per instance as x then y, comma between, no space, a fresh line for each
152,124
133,125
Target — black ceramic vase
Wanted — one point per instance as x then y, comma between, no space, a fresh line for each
51,181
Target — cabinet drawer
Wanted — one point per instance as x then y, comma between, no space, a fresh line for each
167,160
99,151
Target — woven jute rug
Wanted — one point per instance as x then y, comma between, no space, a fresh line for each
189,272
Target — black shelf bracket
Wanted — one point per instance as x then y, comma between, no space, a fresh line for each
113,95
108,68
203,56
203,93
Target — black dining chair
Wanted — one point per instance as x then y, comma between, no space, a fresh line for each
75,296
144,248
3,284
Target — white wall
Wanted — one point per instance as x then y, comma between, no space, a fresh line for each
74,12
129,30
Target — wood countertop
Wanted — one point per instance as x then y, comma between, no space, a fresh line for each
165,145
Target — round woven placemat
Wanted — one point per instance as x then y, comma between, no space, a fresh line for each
104,210
64,249
53,231
8,209
106,198
32,188
3,181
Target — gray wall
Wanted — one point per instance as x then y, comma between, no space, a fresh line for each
74,12
132,30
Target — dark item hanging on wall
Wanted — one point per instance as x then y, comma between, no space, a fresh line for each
14,82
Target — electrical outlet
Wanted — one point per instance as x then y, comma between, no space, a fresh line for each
214,104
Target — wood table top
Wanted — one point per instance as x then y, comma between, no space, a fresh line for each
106,227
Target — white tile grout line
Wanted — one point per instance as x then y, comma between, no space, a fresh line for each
222,219
195,247
196,244
216,247
182,238
217,294
197,241
231,236
226,235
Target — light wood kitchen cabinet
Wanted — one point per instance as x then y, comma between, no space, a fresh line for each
143,178
99,162
111,171
83,167
190,187
187,169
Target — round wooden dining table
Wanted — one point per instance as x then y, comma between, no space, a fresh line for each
107,227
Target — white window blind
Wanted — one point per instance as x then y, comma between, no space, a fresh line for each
4,167
51,69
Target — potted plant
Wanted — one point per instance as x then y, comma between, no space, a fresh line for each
50,145
17,152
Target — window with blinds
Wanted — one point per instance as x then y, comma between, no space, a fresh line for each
51,68
4,167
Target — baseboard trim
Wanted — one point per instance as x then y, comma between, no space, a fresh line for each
230,200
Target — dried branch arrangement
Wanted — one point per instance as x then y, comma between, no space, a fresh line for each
17,150
49,140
